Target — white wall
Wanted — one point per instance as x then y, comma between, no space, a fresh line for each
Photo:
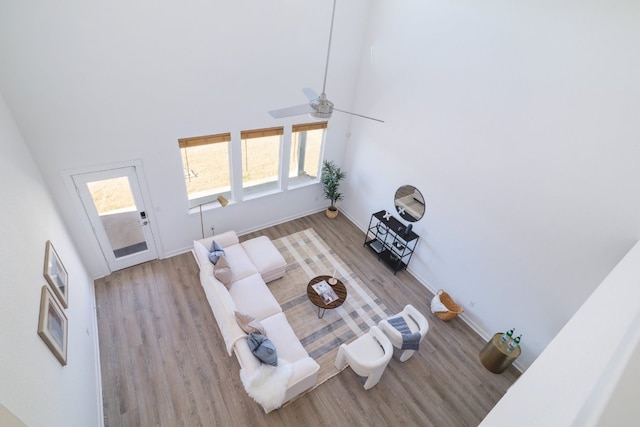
622,408
101,83
587,375
518,122
33,384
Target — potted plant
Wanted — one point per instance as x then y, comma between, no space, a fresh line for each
330,180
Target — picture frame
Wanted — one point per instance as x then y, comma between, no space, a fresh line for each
53,325
56,274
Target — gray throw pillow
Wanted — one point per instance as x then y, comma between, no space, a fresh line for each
215,252
249,323
263,349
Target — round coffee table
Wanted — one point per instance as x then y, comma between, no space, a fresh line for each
316,299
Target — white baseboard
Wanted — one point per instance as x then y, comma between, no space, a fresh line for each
96,343
279,221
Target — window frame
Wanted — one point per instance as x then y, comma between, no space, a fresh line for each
237,189
250,192
197,141
305,127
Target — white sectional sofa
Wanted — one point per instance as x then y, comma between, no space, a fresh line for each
254,263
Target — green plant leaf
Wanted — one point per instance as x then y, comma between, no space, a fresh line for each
330,179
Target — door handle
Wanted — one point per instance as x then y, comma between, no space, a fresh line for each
143,218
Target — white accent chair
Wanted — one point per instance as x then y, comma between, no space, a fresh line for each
416,323
368,356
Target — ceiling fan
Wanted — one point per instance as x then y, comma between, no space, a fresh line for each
319,106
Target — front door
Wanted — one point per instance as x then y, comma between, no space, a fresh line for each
115,207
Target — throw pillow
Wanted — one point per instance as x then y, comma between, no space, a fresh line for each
215,252
222,271
249,323
263,349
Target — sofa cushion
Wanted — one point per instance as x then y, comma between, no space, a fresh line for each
265,256
249,323
228,238
215,252
283,337
223,309
240,263
252,296
222,271
202,257
263,348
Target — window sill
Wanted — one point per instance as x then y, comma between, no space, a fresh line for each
262,194
208,207
302,184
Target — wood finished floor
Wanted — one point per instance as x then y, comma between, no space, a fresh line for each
163,360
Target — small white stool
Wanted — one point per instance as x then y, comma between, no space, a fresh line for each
368,356
416,323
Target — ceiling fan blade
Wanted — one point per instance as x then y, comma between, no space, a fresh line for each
359,115
319,106
311,94
292,111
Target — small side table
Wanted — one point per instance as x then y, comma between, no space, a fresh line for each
496,358
316,299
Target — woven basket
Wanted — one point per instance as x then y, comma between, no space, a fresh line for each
444,299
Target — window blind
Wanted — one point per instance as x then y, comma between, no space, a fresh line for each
309,126
204,140
261,133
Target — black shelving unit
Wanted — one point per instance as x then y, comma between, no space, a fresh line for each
387,239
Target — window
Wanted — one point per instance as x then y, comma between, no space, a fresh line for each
306,147
259,162
205,160
261,159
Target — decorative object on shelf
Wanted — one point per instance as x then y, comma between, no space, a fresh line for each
56,274
382,229
330,179
387,238
443,306
409,203
53,325
408,228
220,199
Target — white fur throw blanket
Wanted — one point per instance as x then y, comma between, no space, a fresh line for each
268,384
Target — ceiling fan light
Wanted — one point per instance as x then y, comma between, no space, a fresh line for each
319,115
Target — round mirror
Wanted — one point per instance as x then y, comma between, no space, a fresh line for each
409,203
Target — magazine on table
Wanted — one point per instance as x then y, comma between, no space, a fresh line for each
325,291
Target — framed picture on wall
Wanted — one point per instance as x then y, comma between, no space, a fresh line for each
56,274
53,325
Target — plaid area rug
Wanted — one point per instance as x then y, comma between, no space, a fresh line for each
308,256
